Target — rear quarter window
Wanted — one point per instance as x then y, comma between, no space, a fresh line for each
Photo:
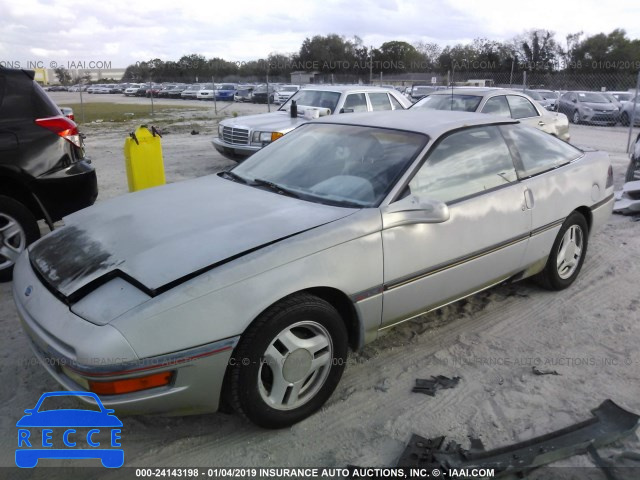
43,106
538,151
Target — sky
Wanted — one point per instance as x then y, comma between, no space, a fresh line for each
119,33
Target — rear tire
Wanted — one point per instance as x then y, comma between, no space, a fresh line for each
18,230
288,362
567,254
624,119
575,117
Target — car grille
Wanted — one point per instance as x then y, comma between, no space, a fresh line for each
235,136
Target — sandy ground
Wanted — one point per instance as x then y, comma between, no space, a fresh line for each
588,333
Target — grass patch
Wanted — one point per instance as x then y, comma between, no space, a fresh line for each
122,112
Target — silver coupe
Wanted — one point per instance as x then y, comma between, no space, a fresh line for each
249,287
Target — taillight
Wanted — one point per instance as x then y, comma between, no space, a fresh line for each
128,385
63,126
609,177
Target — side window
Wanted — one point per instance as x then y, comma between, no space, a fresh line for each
539,151
396,104
465,163
521,107
379,101
355,102
497,106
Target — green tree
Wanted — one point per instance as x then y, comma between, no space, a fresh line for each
63,75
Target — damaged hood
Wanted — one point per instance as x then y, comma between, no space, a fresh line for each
157,237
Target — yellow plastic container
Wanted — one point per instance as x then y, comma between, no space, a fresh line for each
143,159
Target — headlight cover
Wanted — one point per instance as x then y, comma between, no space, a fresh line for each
109,301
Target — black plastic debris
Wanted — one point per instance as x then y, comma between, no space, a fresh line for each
609,423
195,132
537,371
429,387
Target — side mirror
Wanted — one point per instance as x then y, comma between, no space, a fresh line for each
413,210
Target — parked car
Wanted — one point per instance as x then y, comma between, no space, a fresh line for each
546,98
627,112
260,94
176,91
225,92
243,94
498,101
57,88
337,232
588,107
132,89
419,91
206,92
241,137
191,92
284,92
622,97
68,112
633,170
44,173
165,90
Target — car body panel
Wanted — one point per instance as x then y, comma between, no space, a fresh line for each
91,245
386,271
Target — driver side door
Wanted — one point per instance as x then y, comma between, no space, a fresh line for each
483,242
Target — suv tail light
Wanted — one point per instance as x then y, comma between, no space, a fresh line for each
609,177
63,126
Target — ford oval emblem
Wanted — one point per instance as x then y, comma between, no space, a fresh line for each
28,291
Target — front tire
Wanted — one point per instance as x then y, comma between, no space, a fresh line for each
575,117
288,362
567,254
18,229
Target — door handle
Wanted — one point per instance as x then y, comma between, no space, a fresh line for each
528,199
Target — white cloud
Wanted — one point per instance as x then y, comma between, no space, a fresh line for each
124,31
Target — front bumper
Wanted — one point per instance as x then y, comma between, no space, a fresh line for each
232,151
73,351
600,117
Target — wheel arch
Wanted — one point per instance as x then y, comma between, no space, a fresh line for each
588,216
12,187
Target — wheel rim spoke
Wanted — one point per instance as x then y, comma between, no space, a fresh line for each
569,252
9,253
298,362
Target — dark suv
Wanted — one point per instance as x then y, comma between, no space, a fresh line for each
43,170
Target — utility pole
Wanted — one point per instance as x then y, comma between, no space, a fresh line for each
370,64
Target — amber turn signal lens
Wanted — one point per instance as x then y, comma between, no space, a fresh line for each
276,135
128,385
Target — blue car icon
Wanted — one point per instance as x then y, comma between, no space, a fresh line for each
32,447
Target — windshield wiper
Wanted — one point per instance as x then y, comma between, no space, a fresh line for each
235,177
275,187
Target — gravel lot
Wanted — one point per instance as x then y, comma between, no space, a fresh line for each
589,334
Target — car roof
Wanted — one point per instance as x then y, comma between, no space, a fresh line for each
433,123
479,91
347,88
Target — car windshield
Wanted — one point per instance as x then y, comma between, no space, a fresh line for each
549,95
314,98
462,103
226,86
289,89
592,97
342,165
535,95
622,97
65,402
422,90
207,86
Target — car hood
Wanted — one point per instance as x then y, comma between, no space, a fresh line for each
268,122
599,106
159,237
